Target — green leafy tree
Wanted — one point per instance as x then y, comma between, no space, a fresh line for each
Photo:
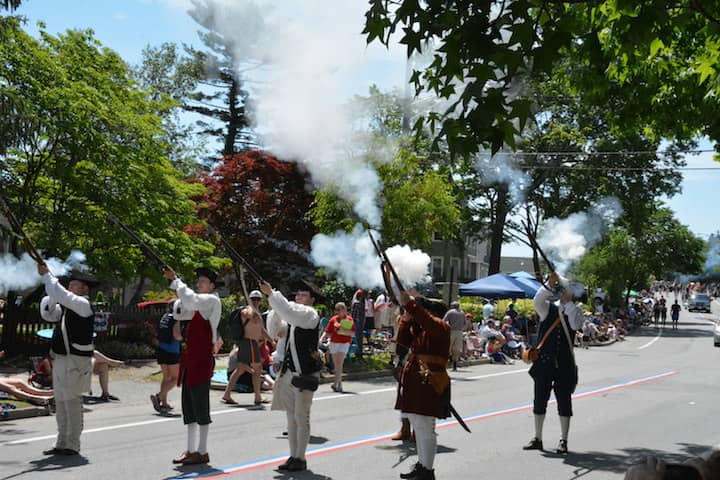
171,77
661,59
626,261
84,141
222,100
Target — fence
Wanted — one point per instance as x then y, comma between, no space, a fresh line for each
21,326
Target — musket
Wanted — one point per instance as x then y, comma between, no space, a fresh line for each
386,264
19,232
387,267
235,255
147,250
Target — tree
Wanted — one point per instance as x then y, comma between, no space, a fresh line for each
10,4
171,78
661,58
83,141
625,261
227,121
259,204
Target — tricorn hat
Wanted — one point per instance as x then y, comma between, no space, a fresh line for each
85,277
211,274
308,286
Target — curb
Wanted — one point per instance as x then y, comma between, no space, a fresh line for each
26,412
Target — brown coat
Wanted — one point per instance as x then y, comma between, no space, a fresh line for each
424,335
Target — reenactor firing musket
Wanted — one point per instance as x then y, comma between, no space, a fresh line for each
19,232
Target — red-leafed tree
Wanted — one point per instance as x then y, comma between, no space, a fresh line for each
259,204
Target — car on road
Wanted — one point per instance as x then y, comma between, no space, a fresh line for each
699,302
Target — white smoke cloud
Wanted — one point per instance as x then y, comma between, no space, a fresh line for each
299,100
353,258
502,168
21,273
567,240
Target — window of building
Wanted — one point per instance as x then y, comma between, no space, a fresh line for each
437,268
455,265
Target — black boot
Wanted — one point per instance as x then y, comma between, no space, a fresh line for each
425,474
562,447
412,473
534,444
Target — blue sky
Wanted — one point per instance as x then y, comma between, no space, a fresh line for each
127,26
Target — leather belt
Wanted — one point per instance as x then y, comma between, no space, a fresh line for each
438,360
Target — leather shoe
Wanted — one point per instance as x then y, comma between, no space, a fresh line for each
425,474
562,447
286,465
412,473
181,458
53,451
534,444
68,452
297,465
196,458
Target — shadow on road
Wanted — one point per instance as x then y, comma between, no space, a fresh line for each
51,464
408,449
619,462
309,474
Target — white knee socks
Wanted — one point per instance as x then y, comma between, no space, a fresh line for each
192,429
564,427
202,443
539,420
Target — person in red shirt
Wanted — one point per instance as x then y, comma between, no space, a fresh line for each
340,329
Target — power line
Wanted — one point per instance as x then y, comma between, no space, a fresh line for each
610,169
598,154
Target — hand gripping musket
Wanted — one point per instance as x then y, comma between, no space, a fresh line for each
389,271
19,232
149,252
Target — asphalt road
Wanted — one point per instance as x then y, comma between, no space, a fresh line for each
652,394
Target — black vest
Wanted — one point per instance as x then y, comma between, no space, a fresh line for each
79,331
306,342
555,351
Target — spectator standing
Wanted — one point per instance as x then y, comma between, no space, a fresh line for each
340,329
675,314
455,318
168,356
511,312
663,310
488,310
357,311
369,326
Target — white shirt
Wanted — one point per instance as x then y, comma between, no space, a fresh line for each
275,326
542,307
297,316
208,304
58,295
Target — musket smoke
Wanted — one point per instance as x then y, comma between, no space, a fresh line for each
567,240
712,262
21,273
352,257
299,107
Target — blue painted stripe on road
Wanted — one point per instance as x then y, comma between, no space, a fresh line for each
277,459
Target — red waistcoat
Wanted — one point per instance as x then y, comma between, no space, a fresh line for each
196,361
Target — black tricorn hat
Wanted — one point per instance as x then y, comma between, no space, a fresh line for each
86,277
210,274
434,307
308,286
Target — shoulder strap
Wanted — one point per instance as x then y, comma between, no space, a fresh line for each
547,334
567,337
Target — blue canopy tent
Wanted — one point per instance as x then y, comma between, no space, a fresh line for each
499,285
522,274
530,285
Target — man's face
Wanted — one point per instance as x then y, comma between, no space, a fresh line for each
303,297
341,311
78,288
204,285
255,301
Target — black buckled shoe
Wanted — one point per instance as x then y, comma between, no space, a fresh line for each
534,444
297,465
286,465
412,473
425,474
562,447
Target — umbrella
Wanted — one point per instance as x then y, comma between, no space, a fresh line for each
498,285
